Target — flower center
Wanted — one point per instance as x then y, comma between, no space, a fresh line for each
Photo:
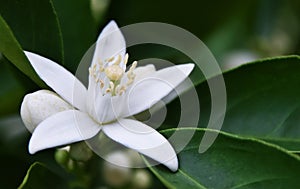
108,75
114,72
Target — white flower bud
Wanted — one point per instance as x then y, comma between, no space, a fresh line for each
135,158
116,170
39,105
80,152
141,179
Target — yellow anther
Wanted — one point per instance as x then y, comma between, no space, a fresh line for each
110,59
118,61
114,72
122,90
130,81
101,83
130,74
133,66
111,85
126,58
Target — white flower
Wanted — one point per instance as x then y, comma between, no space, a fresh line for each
75,113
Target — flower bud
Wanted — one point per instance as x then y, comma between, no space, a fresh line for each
135,158
61,157
80,152
141,179
38,106
116,171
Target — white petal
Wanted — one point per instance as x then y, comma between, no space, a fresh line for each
38,106
180,89
144,71
146,92
63,128
59,79
144,139
101,107
110,43
140,73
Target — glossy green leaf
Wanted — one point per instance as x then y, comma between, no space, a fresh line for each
39,176
231,162
11,49
263,101
35,26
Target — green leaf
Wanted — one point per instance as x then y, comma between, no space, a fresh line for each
39,176
231,162
262,101
11,49
35,26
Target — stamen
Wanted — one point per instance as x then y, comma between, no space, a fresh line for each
122,90
126,58
118,61
130,81
110,59
114,72
101,69
101,83
130,74
133,66
112,85
117,89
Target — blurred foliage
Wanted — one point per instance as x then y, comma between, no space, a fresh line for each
79,28
11,93
14,157
63,30
265,27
